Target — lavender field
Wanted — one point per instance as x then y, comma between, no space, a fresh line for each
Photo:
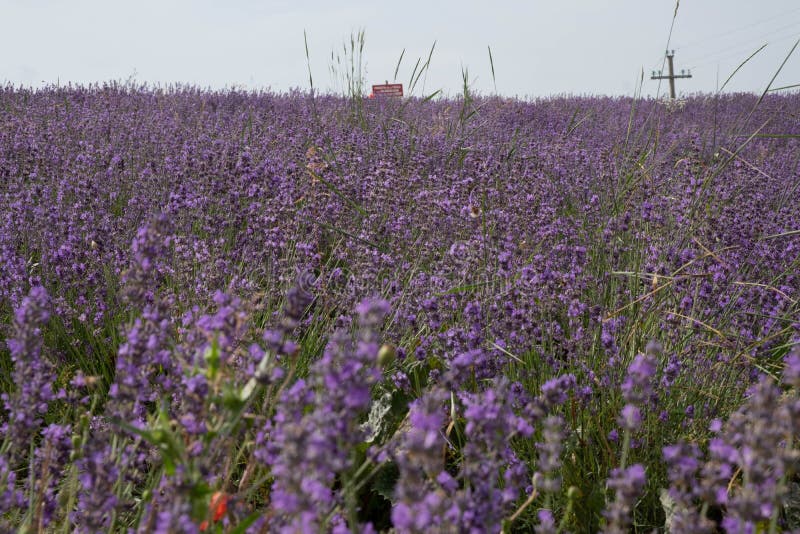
254,312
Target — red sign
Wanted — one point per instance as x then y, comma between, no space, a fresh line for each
387,89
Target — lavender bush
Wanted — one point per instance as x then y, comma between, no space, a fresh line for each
258,312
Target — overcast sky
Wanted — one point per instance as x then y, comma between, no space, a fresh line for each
539,48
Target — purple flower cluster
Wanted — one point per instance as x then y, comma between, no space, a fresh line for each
13,498
491,425
315,428
415,320
627,484
145,368
33,375
51,458
425,489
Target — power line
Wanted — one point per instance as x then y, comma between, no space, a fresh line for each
749,41
656,63
740,28
737,51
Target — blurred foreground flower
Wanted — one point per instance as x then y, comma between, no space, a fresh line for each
217,508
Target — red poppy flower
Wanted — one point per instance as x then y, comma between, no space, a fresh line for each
218,506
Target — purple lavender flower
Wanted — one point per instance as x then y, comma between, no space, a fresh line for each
51,460
33,375
791,373
555,390
145,368
630,418
547,476
12,499
637,387
150,251
98,476
298,299
547,523
628,485
147,206
683,464
316,426
491,424
170,510
422,501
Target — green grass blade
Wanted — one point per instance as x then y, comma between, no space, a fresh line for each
352,236
308,61
413,72
491,64
428,66
335,190
784,87
397,68
782,234
774,136
762,47
432,95
777,72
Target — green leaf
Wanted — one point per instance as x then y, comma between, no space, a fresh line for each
162,437
212,358
385,480
242,527
169,464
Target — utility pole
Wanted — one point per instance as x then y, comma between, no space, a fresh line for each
671,77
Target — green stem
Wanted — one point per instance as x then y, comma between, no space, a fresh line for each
72,489
626,446
773,520
532,497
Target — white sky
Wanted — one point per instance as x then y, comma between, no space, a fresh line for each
539,47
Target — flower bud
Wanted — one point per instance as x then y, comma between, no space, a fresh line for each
386,355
